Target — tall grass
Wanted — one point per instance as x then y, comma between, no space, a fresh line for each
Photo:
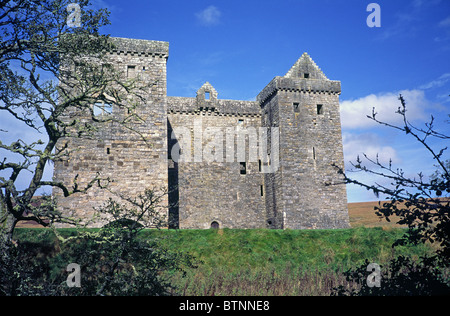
260,283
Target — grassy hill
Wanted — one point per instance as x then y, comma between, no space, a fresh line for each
276,262
264,262
271,262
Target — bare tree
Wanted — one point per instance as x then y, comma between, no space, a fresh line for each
50,68
422,202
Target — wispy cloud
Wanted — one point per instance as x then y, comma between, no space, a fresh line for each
439,82
209,16
421,3
445,22
114,9
404,25
444,25
408,20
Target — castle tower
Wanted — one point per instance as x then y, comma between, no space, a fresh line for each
305,192
134,157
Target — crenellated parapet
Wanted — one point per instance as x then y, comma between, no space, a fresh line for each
127,46
207,102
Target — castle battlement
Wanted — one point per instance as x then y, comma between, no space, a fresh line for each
217,107
128,46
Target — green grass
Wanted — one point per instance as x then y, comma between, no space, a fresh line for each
268,262
318,249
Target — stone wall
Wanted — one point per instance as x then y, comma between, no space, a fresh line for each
213,189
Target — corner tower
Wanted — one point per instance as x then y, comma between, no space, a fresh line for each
306,191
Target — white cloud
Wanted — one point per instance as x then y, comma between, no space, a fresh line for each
369,144
210,16
354,112
445,22
403,154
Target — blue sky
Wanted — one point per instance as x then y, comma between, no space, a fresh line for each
239,46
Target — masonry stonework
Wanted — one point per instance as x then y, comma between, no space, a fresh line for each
202,151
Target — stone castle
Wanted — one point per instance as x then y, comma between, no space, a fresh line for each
192,150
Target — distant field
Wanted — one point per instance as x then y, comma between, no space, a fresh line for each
361,215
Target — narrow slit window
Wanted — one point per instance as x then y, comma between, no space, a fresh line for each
314,153
108,151
243,168
262,190
296,107
319,109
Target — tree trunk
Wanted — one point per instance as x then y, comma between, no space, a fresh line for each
7,224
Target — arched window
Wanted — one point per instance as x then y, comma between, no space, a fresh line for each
215,225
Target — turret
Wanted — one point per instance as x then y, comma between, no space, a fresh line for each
306,190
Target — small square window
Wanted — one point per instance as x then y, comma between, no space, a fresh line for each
306,75
319,109
131,72
296,107
102,108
